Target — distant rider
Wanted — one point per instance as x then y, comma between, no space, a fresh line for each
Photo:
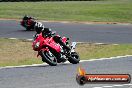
28,22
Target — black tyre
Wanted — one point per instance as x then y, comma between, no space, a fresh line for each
74,58
49,58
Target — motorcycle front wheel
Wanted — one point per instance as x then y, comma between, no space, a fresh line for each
49,58
74,58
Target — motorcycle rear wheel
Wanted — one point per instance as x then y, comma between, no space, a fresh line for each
49,58
74,58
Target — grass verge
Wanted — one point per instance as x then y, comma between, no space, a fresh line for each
19,52
97,11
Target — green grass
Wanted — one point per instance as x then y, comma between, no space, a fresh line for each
98,11
94,51
19,52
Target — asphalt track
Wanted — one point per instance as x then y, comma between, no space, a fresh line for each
64,75
96,33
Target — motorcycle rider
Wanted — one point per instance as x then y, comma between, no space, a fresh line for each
28,22
25,18
57,39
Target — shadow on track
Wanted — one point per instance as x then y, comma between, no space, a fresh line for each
25,30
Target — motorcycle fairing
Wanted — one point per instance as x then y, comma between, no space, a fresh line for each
46,42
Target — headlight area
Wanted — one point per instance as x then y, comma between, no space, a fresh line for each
37,45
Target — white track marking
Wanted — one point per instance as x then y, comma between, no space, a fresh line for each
113,86
12,38
99,43
107,86
77,42
33,65
107,58
118,85
30,39
128,84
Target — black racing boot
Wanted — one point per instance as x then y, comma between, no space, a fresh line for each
59,40
64,45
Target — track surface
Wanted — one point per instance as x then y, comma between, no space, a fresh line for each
100,33
63,75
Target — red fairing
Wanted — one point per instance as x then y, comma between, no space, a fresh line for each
38,39
64,39
26,22
29,22
43,42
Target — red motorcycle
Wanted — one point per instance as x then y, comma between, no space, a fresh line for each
52,52
28,23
